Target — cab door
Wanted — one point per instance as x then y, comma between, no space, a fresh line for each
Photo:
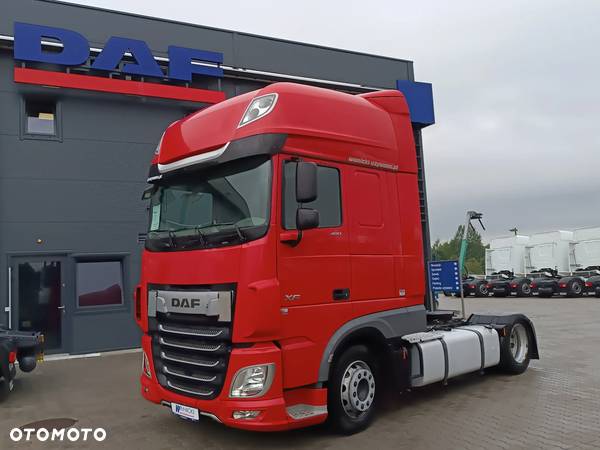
314,275
316,271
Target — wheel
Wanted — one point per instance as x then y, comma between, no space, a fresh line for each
515,349
575,288
524,289
352,396
481,290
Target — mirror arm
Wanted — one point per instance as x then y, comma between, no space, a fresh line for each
295,242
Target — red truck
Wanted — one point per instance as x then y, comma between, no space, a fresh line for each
282,280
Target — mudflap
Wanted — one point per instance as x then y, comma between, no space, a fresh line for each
501,320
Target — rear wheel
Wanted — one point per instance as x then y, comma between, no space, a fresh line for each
481,290
352,395
515,349
524,289
575,288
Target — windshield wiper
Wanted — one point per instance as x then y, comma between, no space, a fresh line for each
201,236
172,239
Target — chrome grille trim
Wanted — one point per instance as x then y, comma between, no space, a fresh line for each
205,379
163,355
190,391
203,333
195,347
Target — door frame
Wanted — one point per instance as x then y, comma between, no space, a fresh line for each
66,299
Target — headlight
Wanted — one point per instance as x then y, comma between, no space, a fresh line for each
259,107
253,381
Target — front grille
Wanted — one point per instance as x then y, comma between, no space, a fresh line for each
190,353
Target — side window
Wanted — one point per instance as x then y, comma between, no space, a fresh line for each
40,119
328,201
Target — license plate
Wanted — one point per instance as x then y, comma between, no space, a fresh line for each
187,412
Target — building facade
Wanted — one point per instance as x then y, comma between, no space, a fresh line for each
85,95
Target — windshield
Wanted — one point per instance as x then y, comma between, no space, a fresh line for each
224,205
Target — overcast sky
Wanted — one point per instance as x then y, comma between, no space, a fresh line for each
516,91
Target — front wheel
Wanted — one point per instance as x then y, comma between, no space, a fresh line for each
352,395
515,349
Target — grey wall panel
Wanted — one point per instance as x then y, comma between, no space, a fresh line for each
116,118
309,61
41,201
74,159
9,113
6,70
72,237
109,331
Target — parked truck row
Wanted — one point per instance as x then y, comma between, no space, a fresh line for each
545,264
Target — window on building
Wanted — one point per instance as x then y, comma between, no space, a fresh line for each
328,201
99,283
40,118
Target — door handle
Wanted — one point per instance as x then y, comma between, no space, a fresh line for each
341,294
62,308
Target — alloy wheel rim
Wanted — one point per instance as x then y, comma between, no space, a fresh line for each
519,343
357,391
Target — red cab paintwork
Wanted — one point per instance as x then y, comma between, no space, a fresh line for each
376,251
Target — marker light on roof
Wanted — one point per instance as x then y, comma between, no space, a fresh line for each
157,150
258,108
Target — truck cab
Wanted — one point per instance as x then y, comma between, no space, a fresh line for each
284,251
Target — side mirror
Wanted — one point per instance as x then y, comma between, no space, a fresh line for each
307,218
306,182
148,192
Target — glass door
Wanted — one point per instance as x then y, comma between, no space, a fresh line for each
38,293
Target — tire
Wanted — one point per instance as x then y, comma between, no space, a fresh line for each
515,349
353,393
481,290
575,288
524,289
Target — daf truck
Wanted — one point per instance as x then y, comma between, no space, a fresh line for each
282,281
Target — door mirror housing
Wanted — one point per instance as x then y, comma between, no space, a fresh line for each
149,192
307,218
306,182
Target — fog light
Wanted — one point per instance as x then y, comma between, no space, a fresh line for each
146,366
245,414
252,381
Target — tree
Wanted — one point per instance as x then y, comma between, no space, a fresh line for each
475,259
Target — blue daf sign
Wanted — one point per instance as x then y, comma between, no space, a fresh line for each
76,51
444,276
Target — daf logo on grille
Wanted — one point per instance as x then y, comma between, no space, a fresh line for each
208,303
185,302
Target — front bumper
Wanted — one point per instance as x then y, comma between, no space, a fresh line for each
273,406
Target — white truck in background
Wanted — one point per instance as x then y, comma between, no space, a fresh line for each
505,267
